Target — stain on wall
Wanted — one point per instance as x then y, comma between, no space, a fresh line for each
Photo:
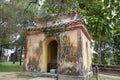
33,54
81,66
70,58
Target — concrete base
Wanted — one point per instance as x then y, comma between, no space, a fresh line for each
71,77
42,78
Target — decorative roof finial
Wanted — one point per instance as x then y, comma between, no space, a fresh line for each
73,7
73,11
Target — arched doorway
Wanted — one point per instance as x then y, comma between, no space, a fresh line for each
52,55
49,58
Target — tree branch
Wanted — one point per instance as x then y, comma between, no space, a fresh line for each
61,7
30,3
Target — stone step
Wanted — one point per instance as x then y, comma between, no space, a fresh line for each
48,75
38,74
43,78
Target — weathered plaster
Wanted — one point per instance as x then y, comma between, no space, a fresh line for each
68,56
33,53
72,54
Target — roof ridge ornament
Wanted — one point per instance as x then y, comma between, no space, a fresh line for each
74,14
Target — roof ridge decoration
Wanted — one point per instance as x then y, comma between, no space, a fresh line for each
72,17
74,20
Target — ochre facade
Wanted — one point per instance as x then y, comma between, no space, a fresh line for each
66,45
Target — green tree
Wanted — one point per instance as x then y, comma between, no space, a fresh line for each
102,16
116,49
13,18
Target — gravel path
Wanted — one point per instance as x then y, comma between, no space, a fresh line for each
16,76
41,78
109,76
11,76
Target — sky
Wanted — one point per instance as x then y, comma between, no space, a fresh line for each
6,1
40,3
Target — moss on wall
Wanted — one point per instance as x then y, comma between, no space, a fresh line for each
70,51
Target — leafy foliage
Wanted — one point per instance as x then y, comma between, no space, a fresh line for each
13,17
102,18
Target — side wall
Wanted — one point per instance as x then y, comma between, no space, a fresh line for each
76,69
34,51
68,56
74,58
86,50
67,59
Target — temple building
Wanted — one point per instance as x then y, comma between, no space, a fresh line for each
63,45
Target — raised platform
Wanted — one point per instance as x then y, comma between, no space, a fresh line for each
47,76
71,77
42,78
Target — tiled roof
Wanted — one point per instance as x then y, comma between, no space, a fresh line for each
64,25
56,25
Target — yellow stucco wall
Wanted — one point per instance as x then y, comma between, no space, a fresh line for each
74,40
72,43
33,48
86,45
73,37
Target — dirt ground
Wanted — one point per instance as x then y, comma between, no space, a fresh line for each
11,76
17,76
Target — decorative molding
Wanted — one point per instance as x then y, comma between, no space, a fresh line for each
77,24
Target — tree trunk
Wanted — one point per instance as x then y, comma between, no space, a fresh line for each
99,58
20,52
99,52
14,58
0,54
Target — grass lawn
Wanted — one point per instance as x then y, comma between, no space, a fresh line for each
10,67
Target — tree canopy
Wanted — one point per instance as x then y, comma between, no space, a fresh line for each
102,18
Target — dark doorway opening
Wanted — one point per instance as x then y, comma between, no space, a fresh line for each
52,56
